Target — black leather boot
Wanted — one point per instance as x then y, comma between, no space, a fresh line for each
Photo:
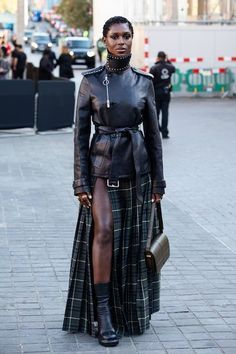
106,333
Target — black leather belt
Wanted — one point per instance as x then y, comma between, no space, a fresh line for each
133,132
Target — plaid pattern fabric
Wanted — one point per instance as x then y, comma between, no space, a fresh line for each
135,290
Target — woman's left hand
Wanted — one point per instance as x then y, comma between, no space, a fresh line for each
156,198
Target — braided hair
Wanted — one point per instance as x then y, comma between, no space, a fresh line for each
116,20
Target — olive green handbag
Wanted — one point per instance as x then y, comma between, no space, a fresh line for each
157,249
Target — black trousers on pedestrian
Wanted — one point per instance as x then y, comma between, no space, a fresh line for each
18,74
162,106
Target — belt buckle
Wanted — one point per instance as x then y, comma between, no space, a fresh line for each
113,184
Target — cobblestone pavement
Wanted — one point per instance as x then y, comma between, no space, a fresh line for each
37,220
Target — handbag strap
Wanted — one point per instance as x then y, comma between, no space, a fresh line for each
159,215
157,207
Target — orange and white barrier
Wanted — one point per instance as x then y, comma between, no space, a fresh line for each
226,58
186,60
219,71
209,71
146,54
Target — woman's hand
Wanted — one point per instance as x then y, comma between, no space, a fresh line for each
156,198
85,199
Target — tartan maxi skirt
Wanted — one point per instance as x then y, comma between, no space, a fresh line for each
134,289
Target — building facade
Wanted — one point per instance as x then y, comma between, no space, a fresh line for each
175,26
163,11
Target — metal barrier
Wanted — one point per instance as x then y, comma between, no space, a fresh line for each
202,80
194,80
223,80
55,108
209,80
176,81
17,104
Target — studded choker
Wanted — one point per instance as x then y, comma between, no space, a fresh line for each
117,64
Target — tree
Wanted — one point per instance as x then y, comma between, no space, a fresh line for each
77,13
8,6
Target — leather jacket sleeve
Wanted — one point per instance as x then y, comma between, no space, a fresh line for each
81,139
153,142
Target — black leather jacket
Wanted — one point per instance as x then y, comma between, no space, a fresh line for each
118,148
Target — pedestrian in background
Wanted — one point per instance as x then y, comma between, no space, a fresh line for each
3,48
14,39
65,63
162,72
19,61
116,179
100,48
52,57
45,66
4,67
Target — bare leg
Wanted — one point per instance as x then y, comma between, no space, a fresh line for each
101,258
103,233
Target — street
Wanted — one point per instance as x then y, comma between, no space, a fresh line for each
34,58
38,216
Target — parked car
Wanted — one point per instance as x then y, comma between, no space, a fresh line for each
40,41
27,36
81,50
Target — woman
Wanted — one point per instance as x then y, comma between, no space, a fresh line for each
45,66
65,64
4,67
101,48
116,179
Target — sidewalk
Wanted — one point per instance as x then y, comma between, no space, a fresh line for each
37,220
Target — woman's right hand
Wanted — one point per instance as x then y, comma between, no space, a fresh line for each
85,199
